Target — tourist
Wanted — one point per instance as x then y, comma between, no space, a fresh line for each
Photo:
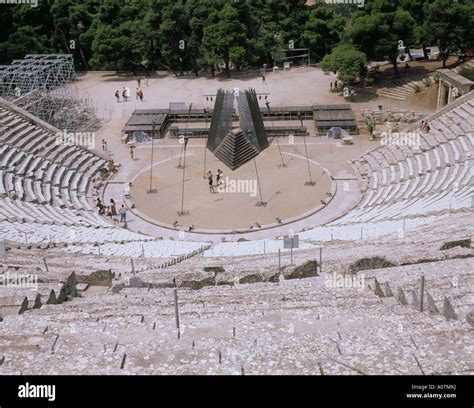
132,153
219,177
101,209
124,94
335,86
108,212
424,126
123,213
117,95
330,86
211,183
264,79
427,127
137,93
104,145
113,207
140,95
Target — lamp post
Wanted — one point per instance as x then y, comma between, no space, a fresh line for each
185,134
273,125
152,190
310,182
260,203
205,144
182,212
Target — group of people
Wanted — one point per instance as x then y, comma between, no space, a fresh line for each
210,179
425,126
111,212
125,94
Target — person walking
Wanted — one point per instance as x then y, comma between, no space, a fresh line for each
104,145
219,177
140,95
124,94
132,153
117,95
264,78
211,182
113,207
123,213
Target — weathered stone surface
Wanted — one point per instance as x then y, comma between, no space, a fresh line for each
196,280
448,310
401,296
252,278
377,289
81,287
307,270
52,298
62,295
470,318
430,304
216,269
98,278
71,283
464,243
37,304
415,301
24,306
375,262
387,290
118,288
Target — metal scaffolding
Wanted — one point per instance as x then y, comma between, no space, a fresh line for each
44,85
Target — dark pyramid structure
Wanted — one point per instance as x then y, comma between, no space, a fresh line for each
236,145
236,149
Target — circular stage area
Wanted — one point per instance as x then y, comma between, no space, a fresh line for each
235,205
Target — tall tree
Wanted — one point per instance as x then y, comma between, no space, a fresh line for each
224,38
450,25
381,30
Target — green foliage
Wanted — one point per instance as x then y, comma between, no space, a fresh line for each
467,72
183,35
349,63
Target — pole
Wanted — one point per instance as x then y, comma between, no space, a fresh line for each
291,252
184,173
205,145
273,125
422,292
151,189
261,203
279,261
310,182
176,311
185,134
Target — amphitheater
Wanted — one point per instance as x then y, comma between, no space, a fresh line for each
114,300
